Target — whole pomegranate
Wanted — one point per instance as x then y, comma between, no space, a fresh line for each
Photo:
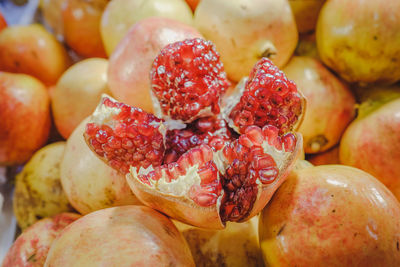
77,93
245,31
52,16
32,50
330,103
331,215
81,25
120,15
188,163
359,40
121,236
87,181
25,117
372,141
130,63
306,13
31,247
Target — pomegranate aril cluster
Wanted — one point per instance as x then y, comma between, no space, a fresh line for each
188,79
132,139
269,98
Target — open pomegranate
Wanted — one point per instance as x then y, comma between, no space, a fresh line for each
204,174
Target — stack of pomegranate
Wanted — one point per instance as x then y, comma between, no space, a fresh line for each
188,133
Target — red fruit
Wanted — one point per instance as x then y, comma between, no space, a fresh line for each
188,79
268,98
3,22
206,188
125,136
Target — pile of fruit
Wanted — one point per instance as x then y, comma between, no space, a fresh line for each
203,133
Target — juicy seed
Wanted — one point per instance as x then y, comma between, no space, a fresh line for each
269,98
130,138
187,78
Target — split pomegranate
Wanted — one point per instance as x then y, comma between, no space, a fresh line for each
188,79
268,97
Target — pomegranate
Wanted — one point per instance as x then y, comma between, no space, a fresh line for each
22,99
81,21
306,13
38,192
3,22
52,16
324,121
245,31
130,63
235,246
77,93
140,237
372,141
88,182
359,40
42,55
330,156
31,247
331,215
120,15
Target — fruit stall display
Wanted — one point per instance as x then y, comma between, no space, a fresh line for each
199,133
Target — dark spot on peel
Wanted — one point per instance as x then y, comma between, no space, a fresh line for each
398,246
32,258
333,211
168,231
375,37
281,230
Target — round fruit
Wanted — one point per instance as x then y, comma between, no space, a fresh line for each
25,114
88,182
52,16
130,63
245,31
372,141
43,56
235,246
81,20
330,156
120,15
38,192
121,236
306,13
77,93
331,215
360,40
330,103
32,246
3,22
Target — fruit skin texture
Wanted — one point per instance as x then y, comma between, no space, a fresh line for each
130,63
372,143
330,156
77,93
120,15
360,40
22,99
306,13
3,22
31,247
87,181
38,191
331,215
81,21
244,31
324,121
236,245
43,56
143,237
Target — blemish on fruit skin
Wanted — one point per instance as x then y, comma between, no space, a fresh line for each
281,230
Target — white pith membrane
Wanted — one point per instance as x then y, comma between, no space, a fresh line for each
232,101
104,114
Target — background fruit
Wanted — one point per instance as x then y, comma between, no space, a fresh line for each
87,181
306,13
330,156
34,51
360,40
120,15
52,16
32,246
81,20
38,192
244,31
3,22
25,117
77,93
330,103
121,236
331,215
372,141
130,63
